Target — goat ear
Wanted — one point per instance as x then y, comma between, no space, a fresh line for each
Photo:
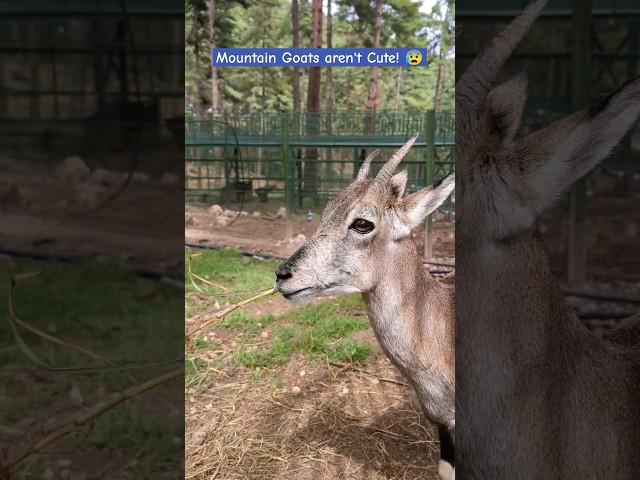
506,104
419,204
398,184
551,159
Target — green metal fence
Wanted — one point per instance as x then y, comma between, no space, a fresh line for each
302,160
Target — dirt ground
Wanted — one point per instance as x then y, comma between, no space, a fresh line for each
46,212
47,216
306,420
309,421
268,235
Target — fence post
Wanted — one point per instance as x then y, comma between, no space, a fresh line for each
288,175
430,135
581,89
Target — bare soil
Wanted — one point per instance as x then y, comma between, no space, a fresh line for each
268,235
309,420
53,216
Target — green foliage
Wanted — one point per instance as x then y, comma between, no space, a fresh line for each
348,351
313,330
231,269
268,24
109,310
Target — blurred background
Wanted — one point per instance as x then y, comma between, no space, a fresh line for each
576,51
91,262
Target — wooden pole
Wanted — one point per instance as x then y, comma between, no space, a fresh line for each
580,81
429,167
288,177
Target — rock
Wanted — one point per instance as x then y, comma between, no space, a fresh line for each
281,213
221,222
11,194
198,438
256,214
139,178
296,390
75,395
73,169
244,214
169,179
106,178
300,238
86,198
215,210
264,334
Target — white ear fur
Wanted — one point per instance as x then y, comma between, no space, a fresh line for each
398,184
506,104
419,204
570,148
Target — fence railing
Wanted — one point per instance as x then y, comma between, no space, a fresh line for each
303,159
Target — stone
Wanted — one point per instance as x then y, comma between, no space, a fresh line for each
215,210
73,169
106,178
11,194
139,178
169,179
281,213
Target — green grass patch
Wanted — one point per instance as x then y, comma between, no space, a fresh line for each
105,308
312,330
348,351
240,275
200,344
320,331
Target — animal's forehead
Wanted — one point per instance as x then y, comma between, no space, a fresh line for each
338,208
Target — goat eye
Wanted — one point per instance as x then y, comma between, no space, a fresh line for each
361,225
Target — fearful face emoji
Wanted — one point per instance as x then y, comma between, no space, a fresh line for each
414,57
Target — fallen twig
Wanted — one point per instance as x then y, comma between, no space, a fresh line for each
366,372
228,310
202,279
79,419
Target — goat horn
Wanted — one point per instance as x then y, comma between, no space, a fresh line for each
475,84
386,172
363,173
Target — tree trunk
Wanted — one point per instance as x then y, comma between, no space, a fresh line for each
396,102
328,164
216,104
295,20
313,103
374,73
296,72
330,94
444,47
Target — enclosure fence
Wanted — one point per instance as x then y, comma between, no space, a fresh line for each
301,160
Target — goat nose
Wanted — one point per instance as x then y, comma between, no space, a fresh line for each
283,272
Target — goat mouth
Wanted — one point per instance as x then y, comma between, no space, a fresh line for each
289,295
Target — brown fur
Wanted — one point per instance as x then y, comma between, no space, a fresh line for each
411,313
539,396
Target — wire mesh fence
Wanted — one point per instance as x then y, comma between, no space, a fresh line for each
303,160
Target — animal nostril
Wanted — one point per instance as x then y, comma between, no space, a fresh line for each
283,272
